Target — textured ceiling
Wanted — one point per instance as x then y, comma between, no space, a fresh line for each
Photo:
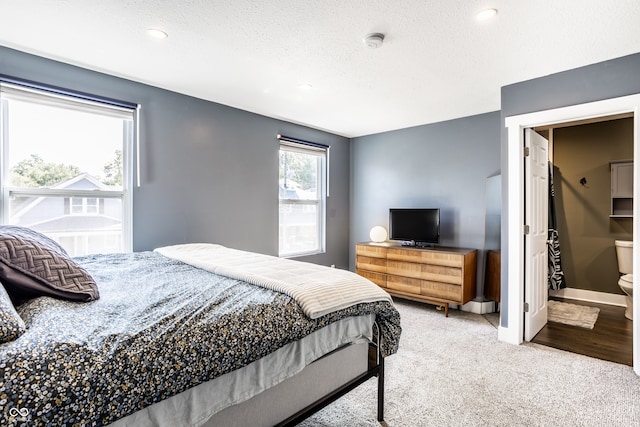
437,62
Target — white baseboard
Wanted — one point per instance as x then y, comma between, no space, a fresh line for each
509,335
590,296
479,307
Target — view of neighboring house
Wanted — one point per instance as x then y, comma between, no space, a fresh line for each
81,225
299,214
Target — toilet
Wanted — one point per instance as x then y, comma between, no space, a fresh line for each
624,253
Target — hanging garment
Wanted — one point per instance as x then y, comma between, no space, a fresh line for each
555,273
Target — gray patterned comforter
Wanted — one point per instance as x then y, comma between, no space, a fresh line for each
159,328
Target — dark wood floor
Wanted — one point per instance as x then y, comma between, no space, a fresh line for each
610,339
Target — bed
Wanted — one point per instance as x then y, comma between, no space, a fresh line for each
184,335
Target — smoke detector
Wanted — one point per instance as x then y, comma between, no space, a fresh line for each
373,41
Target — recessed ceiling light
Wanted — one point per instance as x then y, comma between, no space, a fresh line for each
156,33
485,14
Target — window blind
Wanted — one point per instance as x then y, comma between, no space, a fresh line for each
301,144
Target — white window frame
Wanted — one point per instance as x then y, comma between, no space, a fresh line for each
130,115
320,202
84,206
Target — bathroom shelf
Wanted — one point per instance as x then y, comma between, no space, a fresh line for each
621,189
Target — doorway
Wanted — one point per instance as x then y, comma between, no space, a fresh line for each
513,322
588,222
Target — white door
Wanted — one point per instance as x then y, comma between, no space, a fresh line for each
536,218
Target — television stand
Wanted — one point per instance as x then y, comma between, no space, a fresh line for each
439,276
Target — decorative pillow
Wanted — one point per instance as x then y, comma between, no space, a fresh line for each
33,265
11,324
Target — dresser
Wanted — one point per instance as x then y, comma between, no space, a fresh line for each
438,275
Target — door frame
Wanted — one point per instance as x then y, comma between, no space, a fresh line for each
513,181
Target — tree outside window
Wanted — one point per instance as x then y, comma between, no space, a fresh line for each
302,201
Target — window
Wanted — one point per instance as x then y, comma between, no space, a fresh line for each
83,205
66,169
302,194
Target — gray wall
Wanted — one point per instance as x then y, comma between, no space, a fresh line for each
442,165
609,79
209,172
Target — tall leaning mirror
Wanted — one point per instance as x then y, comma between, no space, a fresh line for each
492,238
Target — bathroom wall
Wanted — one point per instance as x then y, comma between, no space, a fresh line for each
586,232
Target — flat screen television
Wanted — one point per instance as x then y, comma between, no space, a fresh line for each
415,227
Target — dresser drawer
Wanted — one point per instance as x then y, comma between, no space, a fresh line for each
438,273
440,258
379,279
409,255
404,284
440,290
372,264
371,251
407,269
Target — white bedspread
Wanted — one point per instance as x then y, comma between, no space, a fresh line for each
318,289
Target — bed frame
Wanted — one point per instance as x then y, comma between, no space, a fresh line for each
299,397
375,369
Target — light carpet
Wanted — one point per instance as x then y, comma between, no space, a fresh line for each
454,372
572,314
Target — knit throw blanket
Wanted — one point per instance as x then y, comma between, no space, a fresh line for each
319,290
